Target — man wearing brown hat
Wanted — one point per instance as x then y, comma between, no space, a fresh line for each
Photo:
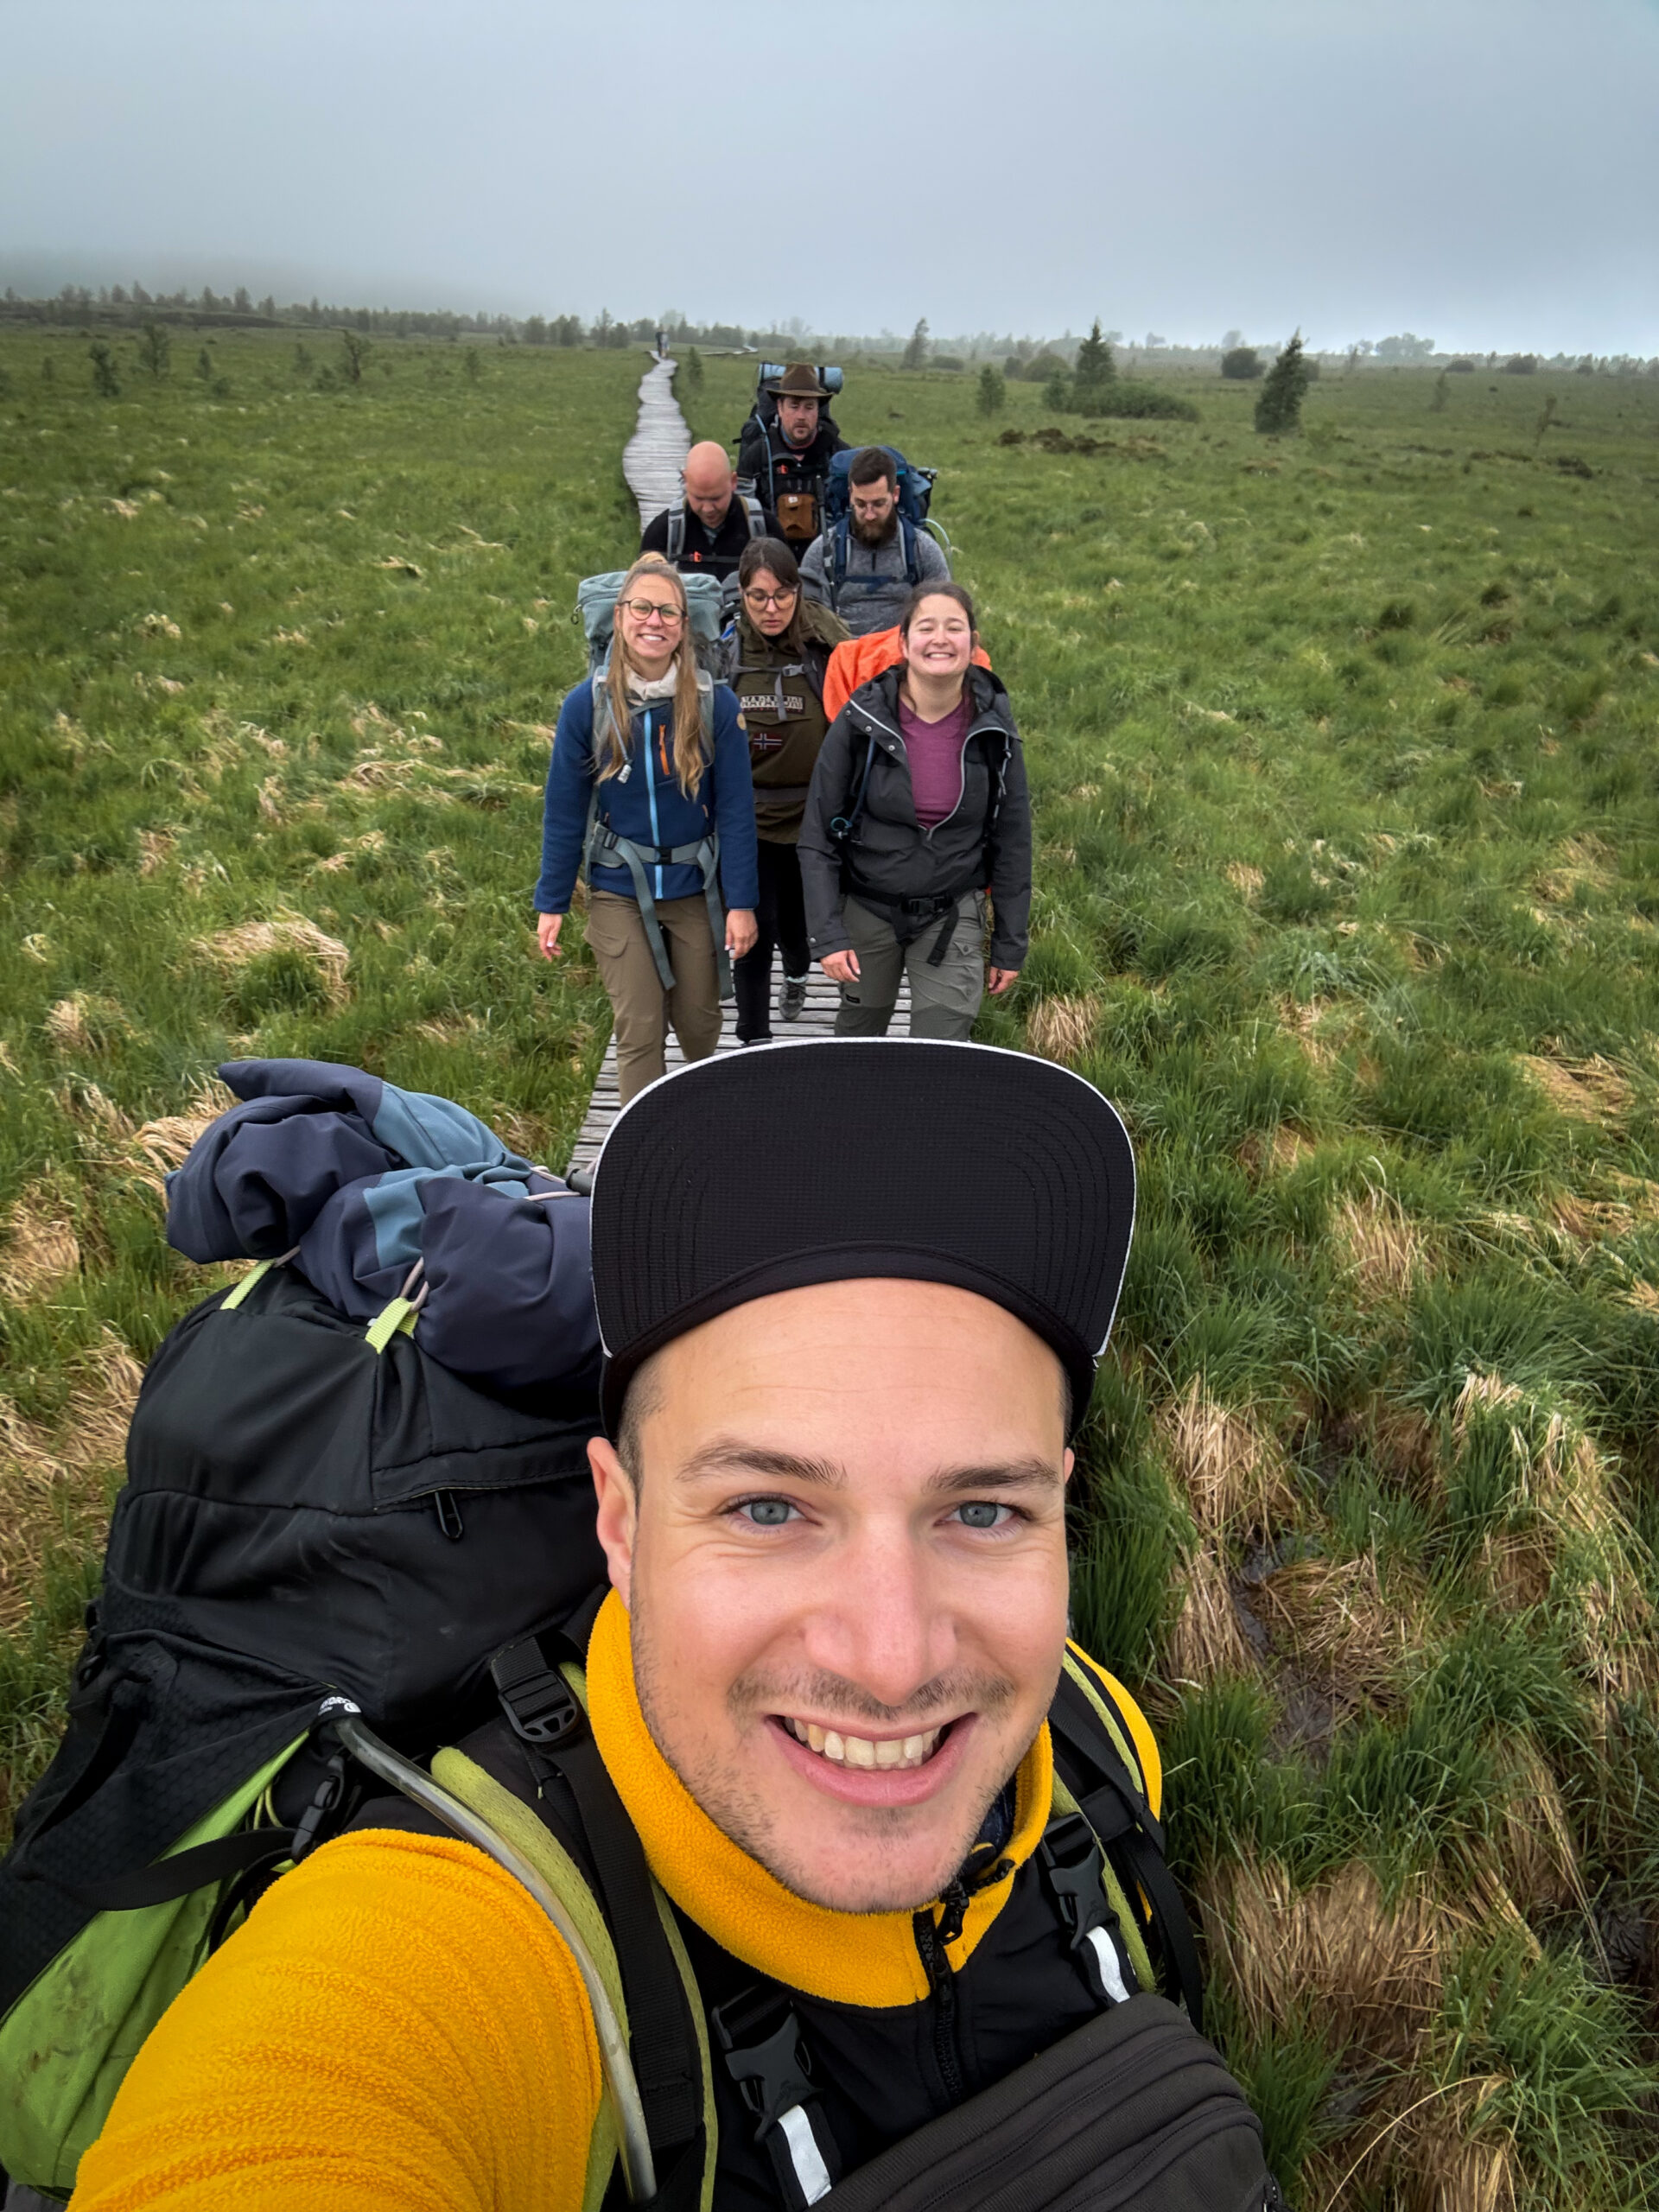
784,452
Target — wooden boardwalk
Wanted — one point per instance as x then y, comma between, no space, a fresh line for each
651,462
654,456
817,1021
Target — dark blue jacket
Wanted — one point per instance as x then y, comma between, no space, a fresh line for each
646,805
360,1182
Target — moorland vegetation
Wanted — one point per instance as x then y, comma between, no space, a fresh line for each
1343,754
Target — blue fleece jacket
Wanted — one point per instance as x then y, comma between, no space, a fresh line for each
646,805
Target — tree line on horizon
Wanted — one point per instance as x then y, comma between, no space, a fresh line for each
1033,358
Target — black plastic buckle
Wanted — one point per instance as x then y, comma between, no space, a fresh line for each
772,2071
536,1698
1073,1862
329,1793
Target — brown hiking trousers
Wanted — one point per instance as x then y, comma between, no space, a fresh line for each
644,1010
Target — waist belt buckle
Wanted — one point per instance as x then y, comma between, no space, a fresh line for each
536,1698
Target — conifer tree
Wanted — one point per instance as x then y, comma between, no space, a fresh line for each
993,391
1279,408
916,350
1095,369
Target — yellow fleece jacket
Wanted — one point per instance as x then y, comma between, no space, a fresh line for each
397,2025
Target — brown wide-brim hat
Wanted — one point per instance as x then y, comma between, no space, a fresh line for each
798,382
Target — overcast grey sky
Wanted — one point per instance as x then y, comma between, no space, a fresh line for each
1483,172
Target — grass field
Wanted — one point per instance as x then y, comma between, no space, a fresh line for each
1348,864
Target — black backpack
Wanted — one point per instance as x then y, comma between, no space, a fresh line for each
311,1511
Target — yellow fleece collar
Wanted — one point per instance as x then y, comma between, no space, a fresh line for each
866,1959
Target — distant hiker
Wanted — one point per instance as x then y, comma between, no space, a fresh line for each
785,449
649,783
706,532
810,1853
919,808
866,567
778,650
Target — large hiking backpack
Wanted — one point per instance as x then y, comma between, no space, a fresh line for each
915,498
313,1510
597,611
1133,2111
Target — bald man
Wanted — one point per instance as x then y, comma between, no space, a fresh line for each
706,534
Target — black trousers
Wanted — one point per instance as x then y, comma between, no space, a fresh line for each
780,918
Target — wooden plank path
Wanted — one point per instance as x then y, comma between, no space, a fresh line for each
651,462
654,456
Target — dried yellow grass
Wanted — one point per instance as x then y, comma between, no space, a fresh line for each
53,1481
1207,1640
1536,1853
154,849
288,932
40,1248
1586,1091
1336,1621
1373,1970
1245,879
1062,1028
85,1023
1278,1151
1382,1246
1233,1475
163,1143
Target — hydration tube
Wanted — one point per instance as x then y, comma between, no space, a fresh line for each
633,2144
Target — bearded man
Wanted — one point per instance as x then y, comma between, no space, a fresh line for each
867,577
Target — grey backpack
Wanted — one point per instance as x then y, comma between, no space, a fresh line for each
597,611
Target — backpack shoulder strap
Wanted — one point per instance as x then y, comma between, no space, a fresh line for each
756,515
912,565
1095,1759
675,533
843,533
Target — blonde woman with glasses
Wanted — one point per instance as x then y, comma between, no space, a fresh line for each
649,787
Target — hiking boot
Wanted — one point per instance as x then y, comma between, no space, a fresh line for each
792,997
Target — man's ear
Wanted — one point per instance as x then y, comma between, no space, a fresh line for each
1066,1464
616,1517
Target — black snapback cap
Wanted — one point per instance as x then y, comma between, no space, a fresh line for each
762,1171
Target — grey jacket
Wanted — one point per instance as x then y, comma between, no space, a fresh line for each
877,582
909,875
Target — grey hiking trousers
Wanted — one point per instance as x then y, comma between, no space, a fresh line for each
942,1000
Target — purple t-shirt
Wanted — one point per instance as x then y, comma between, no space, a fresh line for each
934,750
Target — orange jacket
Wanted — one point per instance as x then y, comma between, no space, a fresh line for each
860,658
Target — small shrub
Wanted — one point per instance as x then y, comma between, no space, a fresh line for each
205,366
948,361
1441,394
105,382
1521,364
354,348
1459,368
691,369
1128,400
155,349
1094,375
992,394
1057,390
48,370
474,367
1279,410
1241,363
302,357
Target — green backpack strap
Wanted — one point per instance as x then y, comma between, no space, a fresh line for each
1094,1761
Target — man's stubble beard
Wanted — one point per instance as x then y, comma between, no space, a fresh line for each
739,1810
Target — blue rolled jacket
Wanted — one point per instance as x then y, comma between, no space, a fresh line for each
647,805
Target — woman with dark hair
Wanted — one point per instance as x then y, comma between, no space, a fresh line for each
917,833
776,655
649,787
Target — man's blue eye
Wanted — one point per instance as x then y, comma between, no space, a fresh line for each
980,1514
768,1512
